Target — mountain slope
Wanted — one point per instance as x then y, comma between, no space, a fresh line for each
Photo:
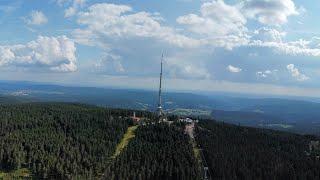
234,152
59,141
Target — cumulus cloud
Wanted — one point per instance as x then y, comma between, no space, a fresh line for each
110,64
265,34
216,18
182,66
51,53
222,25
296,73
74,8
219,23
103,21
272,38
71,11
270,12
36,18
233,69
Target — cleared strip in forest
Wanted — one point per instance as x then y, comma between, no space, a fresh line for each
198,154
125,140
189,129
22,173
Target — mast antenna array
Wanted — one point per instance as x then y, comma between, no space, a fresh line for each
159,109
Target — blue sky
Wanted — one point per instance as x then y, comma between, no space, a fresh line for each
247,46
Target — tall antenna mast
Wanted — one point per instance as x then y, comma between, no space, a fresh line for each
160,111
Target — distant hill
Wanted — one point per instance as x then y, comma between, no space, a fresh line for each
279,113
9,99
120,98
245,118
265,120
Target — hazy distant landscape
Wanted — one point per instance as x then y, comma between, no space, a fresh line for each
300,116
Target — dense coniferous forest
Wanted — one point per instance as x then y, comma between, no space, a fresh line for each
59,140
74,141
234,152
158,152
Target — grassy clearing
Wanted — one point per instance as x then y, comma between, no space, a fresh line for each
22,173
285,126
125,140
189,112
196,152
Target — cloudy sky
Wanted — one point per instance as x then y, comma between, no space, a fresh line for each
253,46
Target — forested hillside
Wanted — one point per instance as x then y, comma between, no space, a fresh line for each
73,141
8,99
59,140
234,152
158,152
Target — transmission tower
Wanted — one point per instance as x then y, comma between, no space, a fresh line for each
160,112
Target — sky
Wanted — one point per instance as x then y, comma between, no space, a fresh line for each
245,46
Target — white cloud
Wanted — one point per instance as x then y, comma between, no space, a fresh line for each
294,48
219,24
271,12
223,25
6,55
10,7
36,18
268,35
233,69
216,18
296,73
61,2
110,64
261,74
254,54
272,38
110,26
52,53
267,73
70,2
72,10
103,21
72,6
182,66
79,2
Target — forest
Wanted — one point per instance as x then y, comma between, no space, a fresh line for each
59,141
234,152
76,141
158,152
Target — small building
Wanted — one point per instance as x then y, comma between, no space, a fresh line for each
134,118
187,120
314,146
